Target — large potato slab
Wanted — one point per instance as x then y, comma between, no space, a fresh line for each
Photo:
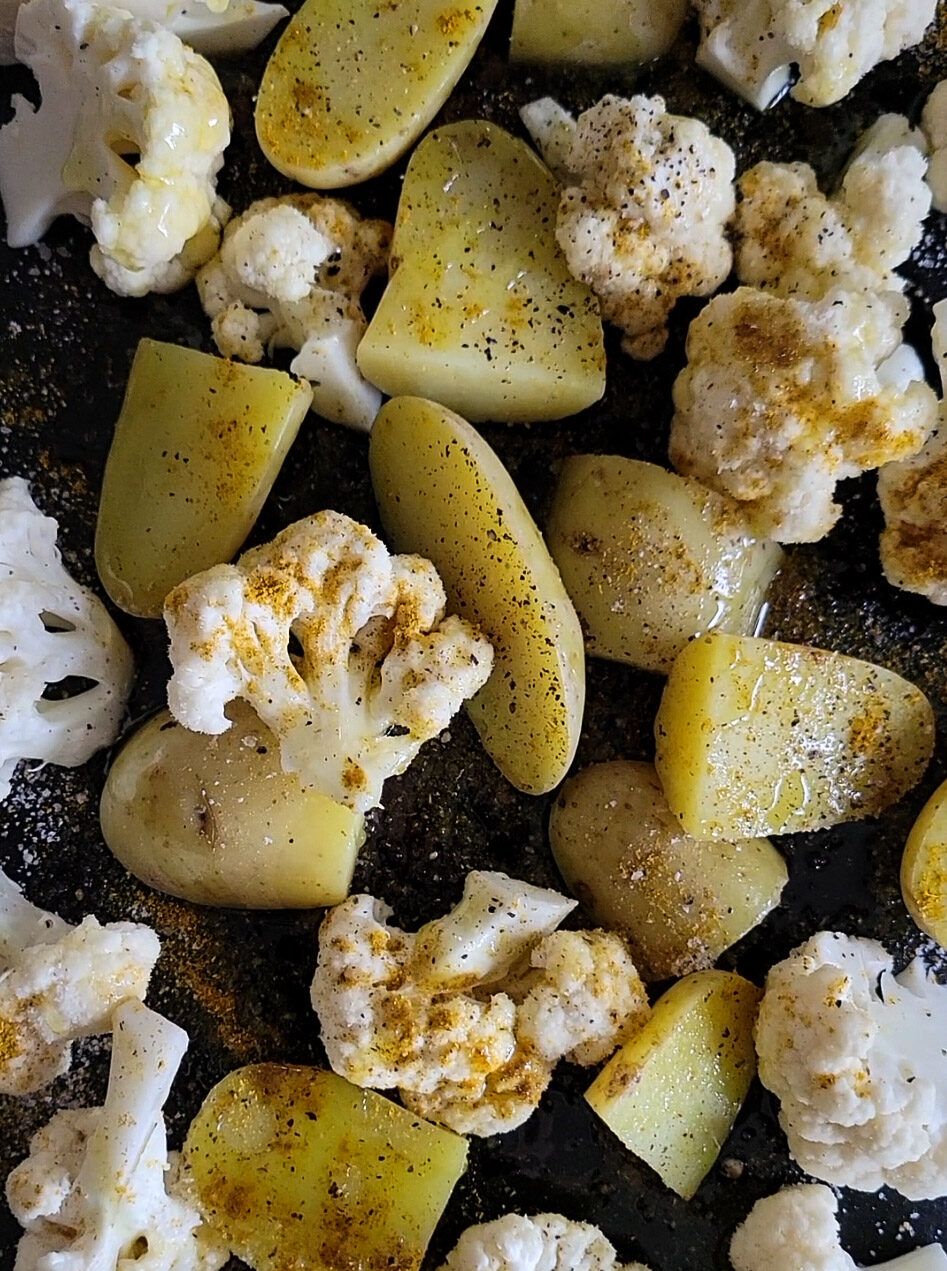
652,559
481,312
352,83
924,868
594,32
679,901
673,1091
442,492
760,737
296,1168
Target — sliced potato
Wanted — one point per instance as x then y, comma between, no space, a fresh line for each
442,492
760,737
673,1091
217,821
352,83
652,559
679,901
197,447
924,868
294,1167
594,32
481,312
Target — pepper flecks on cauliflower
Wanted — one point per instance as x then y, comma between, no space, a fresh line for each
98,1189
751,45
858,1060
290,274
469,1016
643,223
129,138
51,629
781,398
546,1242
381,669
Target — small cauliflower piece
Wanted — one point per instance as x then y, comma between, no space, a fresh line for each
98,1189
546,1242
469,1016
552,131
643,221
51,629
934,126
381,669
783,397
858,1060
290,274
129,138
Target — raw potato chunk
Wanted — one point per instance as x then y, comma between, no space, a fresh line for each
924,868
217,821
679,901
481,312
197,446
673,1091
652,559
594,32
296,1168
443,493
353,82
759,737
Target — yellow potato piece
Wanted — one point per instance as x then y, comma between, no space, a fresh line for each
481,312
760,737
924,868
443,493
352,83
217,821
296,1168
197,447
673,1091
594,32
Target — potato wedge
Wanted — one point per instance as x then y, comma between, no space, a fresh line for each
294,1167
673,1091
679,901
924,868
594,32
760,737
442,492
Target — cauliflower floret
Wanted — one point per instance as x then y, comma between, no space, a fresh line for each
751,45
59,983
51,629
381,669
552,131
290,274
857,1058
469,1016
644,222
547,1242
129,138
98,1189
934,125
781,398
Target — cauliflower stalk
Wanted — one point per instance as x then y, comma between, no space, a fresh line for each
381,670
857,1058
98,1191
469,1016
290,274
643,221
129,138
547,1242
51,629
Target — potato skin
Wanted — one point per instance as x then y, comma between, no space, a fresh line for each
924,868
590,33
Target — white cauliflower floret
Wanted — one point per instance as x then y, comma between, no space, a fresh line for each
781,398
97,1189
858,1059
752,45
552,131
469,1016
644,222
129,138
547,1242
51,629
934,125
290,274
381,669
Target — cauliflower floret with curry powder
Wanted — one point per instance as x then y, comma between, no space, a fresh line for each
468,1016
782,397
379,671
546,1242
644,222
857,1057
